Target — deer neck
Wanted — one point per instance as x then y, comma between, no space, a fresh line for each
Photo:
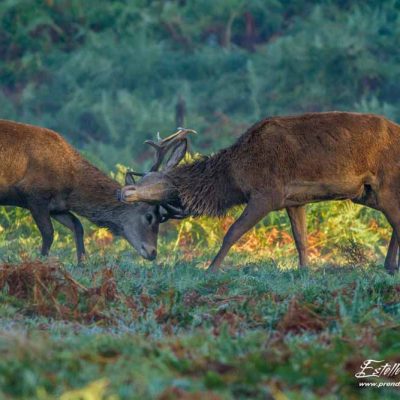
206,186
94,198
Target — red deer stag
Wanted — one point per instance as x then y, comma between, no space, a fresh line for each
41,172
287,162
297,214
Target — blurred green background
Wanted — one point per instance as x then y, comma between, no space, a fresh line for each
109,74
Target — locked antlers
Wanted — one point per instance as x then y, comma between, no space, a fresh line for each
152,187
164,145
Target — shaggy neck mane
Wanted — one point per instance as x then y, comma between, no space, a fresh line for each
206,186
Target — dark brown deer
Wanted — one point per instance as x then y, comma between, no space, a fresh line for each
286,162
297,215
41,172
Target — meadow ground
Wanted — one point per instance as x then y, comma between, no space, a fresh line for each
122,328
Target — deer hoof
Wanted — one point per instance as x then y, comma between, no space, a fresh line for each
212,269
391,271
391,268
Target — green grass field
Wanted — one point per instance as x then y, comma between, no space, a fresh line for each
122,328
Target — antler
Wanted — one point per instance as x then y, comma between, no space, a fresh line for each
168,211
163,145
130,177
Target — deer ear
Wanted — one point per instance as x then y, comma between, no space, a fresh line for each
164,214
177,154
129,179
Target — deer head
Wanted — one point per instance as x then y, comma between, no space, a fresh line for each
155,187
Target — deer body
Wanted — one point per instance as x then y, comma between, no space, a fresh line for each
287,162
41,172
293,161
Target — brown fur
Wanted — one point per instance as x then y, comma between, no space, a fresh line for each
206,187
287,162
40,171
312,157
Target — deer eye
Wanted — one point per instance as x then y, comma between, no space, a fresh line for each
149,218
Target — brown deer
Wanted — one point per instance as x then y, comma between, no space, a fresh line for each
41,172
287,162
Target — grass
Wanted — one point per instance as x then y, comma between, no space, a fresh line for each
122,328
251,333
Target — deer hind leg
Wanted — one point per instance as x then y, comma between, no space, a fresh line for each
42,219
391,264
297,216
72,222
389,205
369,198
253,213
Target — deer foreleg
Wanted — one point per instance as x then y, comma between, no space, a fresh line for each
389,206
253,213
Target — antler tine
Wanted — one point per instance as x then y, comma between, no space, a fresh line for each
163,145
134,173
153,144
160,152
179,135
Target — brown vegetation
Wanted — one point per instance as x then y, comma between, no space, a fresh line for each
49,290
